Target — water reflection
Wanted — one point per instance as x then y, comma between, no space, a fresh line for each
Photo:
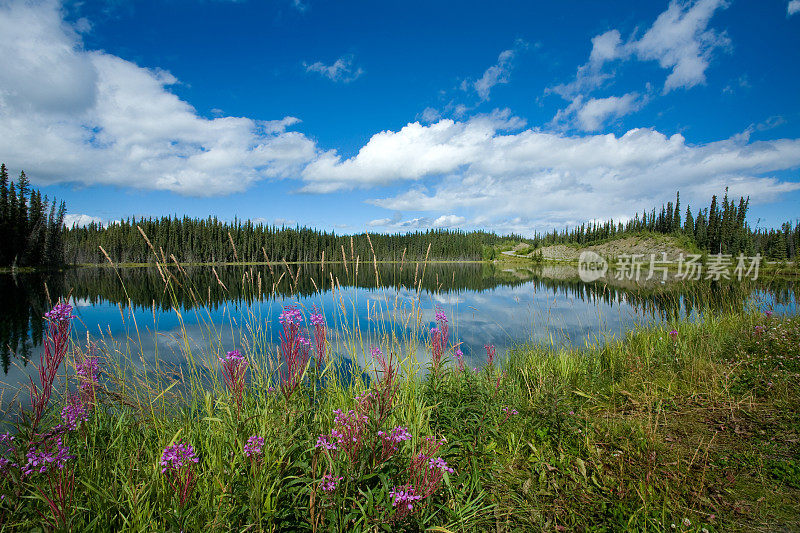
489,305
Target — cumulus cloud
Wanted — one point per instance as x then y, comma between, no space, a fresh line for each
72,115
416,151
592,114
503,177
341,70
498,73
793,7
448,221
680,40
80,220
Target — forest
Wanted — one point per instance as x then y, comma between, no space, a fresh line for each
36,236
721,227
32,226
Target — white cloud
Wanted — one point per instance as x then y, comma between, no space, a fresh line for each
396,223
75,219
340,70
592,114
498,73
679,40
793,7
448,221
299,5
412,153
518,179
429,114
70,115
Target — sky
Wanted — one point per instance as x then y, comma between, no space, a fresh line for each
400,116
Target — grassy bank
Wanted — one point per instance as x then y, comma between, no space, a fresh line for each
694,424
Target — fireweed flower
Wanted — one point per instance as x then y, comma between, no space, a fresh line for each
234,368
673,334
177,463
6,447
74,413
56,343
403,500
254,446
177,456
318,323
490,353
324,443
390,441
48,455
294,349
88,369
460,359
329,483
508,413
440,464
386,384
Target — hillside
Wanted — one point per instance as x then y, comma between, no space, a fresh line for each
639,244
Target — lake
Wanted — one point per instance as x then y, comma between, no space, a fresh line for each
133,313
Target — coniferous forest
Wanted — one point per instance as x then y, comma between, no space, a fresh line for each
32,226
34,235
721,227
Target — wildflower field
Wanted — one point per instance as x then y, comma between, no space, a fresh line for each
687,426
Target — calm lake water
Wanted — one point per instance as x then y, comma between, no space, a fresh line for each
129,311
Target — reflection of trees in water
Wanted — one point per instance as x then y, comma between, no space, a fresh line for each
25,298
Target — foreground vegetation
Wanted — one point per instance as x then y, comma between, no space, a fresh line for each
690,426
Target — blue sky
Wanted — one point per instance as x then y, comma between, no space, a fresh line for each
390,116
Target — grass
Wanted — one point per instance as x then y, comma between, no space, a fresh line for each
698,429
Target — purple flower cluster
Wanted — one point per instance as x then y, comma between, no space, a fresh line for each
330,483
440,464
51,453
673,334
6,447
56,344
176,462
254,446
290,316
460,359
759,330
317,319
404,497
396,436
74,413
61,312
390,441
294,349
234,368
347,435
324,443
177,456
88,369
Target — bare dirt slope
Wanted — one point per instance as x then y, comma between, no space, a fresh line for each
629,245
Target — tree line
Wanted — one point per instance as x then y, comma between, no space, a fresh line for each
211,240
31,225
721,227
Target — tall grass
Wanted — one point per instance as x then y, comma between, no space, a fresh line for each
612,436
